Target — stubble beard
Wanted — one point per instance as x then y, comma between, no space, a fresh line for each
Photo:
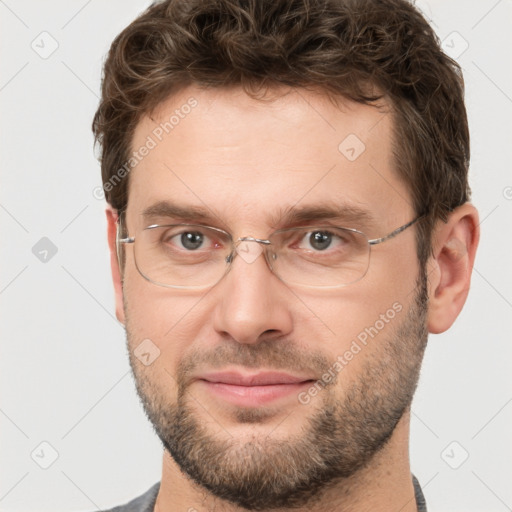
340,438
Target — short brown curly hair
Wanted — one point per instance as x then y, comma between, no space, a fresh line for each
363,50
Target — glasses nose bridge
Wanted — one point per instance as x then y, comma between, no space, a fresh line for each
248,254
252,239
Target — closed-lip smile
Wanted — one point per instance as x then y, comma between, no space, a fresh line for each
252,390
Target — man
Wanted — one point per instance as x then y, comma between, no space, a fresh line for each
288,219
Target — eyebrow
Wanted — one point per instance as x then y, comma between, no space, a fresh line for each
177,212
347,214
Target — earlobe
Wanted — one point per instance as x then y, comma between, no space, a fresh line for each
112,217
449,270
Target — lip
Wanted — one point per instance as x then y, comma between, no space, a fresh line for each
252,390
256,379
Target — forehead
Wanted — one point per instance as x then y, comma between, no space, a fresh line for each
244,158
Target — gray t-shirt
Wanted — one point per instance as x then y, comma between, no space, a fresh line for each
146,502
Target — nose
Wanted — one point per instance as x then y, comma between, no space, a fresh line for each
253,302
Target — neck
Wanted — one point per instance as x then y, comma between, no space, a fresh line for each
385,484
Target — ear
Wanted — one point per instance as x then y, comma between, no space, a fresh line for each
449,269
114,262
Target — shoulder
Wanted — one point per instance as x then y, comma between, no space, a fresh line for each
143,503
420,498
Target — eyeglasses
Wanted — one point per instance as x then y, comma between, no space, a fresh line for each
192,256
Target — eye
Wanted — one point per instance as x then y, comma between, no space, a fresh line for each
188,240
319,240
191,240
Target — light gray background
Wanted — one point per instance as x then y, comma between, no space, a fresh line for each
64,371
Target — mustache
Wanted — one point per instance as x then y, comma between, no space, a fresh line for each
268,354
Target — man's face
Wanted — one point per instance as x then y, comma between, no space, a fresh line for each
246,162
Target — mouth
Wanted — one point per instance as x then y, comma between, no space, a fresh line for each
253,390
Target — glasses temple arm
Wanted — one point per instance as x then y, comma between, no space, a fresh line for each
397,231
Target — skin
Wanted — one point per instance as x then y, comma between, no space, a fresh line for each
243,159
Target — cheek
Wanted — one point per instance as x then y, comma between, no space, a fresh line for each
358,319
171,320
